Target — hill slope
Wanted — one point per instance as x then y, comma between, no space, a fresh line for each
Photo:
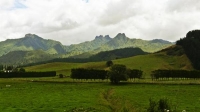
25,57
102,56
55,49
117,54
147,63
88,46
31,42
121,41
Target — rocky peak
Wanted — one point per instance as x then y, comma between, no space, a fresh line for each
121,36
107,37
101,37
32,36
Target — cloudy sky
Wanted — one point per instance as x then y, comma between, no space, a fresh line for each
75,21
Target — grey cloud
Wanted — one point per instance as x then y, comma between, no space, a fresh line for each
183,5
117,12
47,27
74,21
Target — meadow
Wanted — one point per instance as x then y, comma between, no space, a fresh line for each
55,94
146,63
52,95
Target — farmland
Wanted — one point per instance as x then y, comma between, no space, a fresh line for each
146,63
58,96
55,94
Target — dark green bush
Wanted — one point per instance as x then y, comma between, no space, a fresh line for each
163,105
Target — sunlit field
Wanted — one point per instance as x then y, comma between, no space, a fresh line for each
146,63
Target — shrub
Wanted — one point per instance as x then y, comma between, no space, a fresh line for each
61,76
109,63
162,105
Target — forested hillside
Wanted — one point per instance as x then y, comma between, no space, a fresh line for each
191,45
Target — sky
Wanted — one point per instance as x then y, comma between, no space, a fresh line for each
76,21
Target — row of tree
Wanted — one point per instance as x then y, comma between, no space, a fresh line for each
116,73
27,74
174,74
11,68
82,73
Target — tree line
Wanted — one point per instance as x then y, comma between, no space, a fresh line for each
27,74
82,73
174,74
116,74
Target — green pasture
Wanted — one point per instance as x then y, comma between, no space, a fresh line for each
146,63
26,95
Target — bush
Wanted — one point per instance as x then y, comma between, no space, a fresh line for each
162,105
109,63
22,70
61,76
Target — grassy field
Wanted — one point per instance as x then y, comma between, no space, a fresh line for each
26,95
62,94
146,63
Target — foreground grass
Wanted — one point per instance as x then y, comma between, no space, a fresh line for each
55,96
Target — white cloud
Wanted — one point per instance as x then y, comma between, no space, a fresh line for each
75,21
6,4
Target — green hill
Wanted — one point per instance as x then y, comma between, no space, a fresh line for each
51,48
122,41
117,54
102,56
31,42
25,57
147,63
88,46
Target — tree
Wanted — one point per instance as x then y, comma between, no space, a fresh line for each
15,70
117,73
109,63
9,68
1,67
61,76
22,70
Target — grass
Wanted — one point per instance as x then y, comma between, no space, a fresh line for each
24,95
146,63
54,94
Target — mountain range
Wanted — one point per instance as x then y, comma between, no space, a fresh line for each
32,48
